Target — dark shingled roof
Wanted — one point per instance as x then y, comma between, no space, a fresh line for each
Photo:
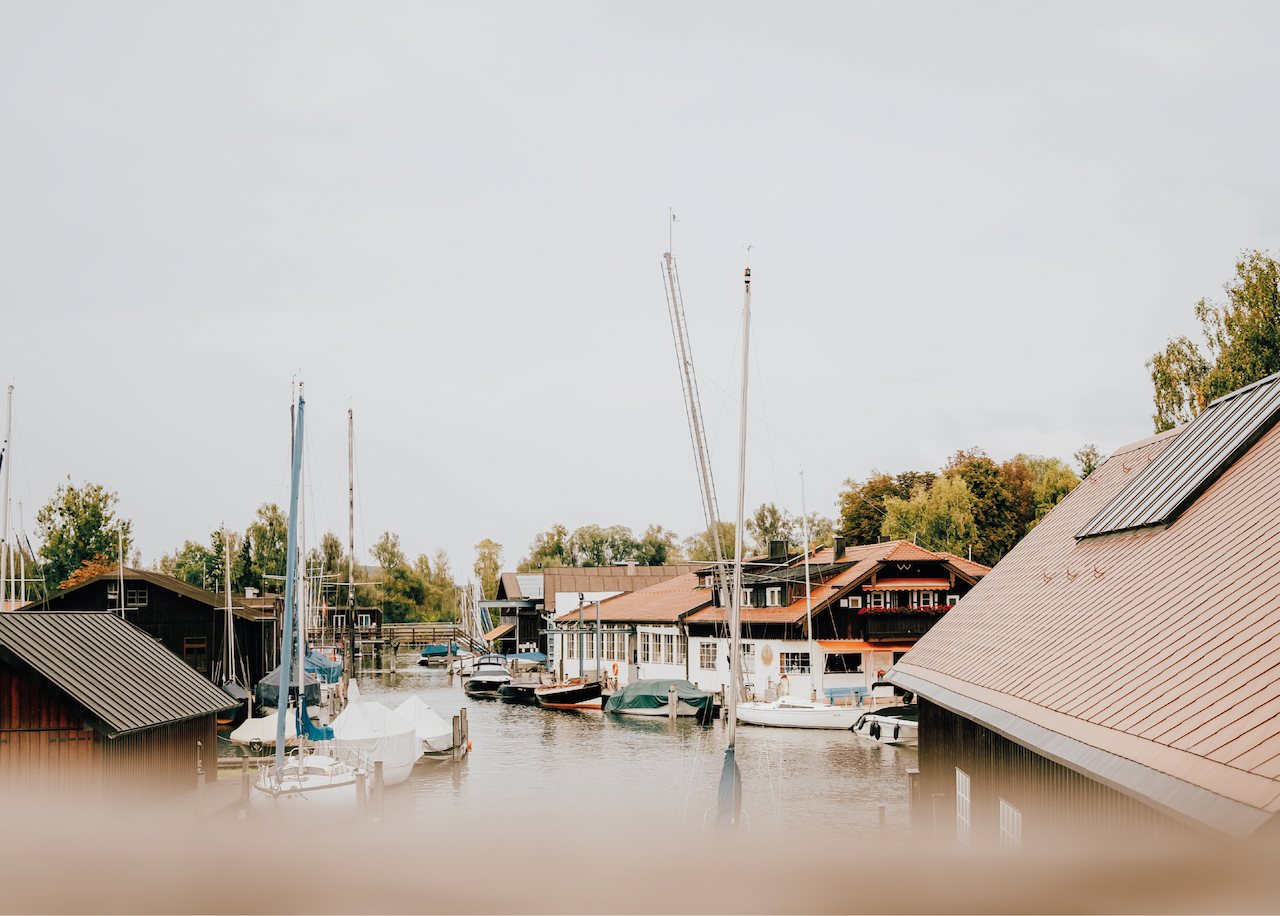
123,677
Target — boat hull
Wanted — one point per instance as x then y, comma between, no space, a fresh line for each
484,688
569,696
518,693
887,728
798,715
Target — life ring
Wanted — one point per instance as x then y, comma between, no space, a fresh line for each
784,687
615,669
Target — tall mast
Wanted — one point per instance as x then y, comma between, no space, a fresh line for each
6,558
693,407
349,656
229,641
291,561
815,674
120,548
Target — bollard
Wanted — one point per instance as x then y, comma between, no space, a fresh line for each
672,702
200,780
361,796
377,790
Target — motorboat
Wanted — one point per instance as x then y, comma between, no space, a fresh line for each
654,696
890,725
489,676
798,712
434,734
575,693
368,731
440,654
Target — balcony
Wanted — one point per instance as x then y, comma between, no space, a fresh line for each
900,622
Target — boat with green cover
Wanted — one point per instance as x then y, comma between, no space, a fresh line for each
652,697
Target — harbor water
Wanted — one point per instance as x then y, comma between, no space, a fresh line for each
632,773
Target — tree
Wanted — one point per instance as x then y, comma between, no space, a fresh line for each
403,592
440,601
194,564
332,555
548,550
769,523
269,535
658,547
939,517
1241,345
90,568
592,545
487,566
861,505
701,548
78,524
993,508
1088,457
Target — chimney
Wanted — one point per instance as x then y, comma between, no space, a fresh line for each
631,567
778,550
250,592
837,547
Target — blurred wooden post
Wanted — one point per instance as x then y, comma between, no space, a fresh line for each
672,702
377,789
200,774
244,780
882,822
361,797
457,736
464,731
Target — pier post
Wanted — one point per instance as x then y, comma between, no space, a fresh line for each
200,775
465,729
672,702
457,737
377,790
361,797
244,781
913,798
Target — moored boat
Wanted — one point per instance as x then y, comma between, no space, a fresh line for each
654,697
434,734
571,694
797,712
890,725
489,676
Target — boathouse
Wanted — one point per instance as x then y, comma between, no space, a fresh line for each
1119,670
92,707
188,620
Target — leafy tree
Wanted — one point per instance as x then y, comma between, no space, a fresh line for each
243,575
194,564
1241,345
549,549
90,568
402,590
658,547
332,555
440,601
78,524
487,566
269,534
998,527
1088,457
701,547
769,523
592,545
941,516
861,505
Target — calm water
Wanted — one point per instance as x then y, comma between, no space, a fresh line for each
625,771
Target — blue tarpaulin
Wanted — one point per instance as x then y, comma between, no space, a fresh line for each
324,667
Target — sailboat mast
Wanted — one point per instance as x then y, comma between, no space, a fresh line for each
6,557
815,675
349,656
291,560
735,604
229,641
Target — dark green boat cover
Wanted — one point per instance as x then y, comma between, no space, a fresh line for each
652,694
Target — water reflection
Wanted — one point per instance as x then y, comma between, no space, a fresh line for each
644,773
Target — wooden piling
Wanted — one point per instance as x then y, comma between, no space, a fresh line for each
882,822
378,796
672,702
457,737
362,808
245,783
465,729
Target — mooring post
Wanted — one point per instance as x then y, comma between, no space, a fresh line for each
200,774
377,789
465,730
244,780
362,798
672,702
457,737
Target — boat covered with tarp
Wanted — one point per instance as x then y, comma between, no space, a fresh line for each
267,693
367,730
652,697
329,670
434,733
442,650
260,732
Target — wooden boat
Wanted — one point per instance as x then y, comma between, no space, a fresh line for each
519,692
570,694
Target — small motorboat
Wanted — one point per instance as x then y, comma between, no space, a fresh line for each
440,654
890,725
488,677
798,712
574,693
654,696
519,692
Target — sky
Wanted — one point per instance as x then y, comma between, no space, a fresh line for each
967,224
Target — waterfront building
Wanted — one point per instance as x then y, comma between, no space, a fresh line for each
870,604
188,620
1119,670
95,708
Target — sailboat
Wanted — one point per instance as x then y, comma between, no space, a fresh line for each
305,774
801,712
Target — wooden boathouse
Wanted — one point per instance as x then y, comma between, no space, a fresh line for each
93,708
1118,672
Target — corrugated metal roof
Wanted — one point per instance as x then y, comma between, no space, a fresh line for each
1159,645
118,673
1202,451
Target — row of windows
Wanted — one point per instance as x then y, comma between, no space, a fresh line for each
902,599
661,649
134,595
615,646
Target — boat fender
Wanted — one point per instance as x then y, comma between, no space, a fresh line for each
861,721
468,745
895,732
615,669
874,731
784,687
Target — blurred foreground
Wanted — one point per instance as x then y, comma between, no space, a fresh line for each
174,861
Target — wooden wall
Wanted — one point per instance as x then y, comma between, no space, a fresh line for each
1057,803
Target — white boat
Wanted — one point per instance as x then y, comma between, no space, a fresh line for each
259,732
309,777
368,731
434,734
891,725
797,712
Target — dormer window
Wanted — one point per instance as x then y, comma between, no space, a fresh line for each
745,598
773,596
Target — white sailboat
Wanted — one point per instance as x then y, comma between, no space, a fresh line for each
802,712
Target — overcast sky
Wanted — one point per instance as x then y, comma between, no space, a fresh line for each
971,224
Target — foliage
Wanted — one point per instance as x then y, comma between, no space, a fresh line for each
550,548
269,535
594,545
769,523
658,547
440,597
861,505
79,524
487,566
1088,457
95,566
701,547
194,564
942,516
1241,345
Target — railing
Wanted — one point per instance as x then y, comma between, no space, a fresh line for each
417,635
899,624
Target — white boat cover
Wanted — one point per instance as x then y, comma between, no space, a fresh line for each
381,734
353,692
263,730
430,727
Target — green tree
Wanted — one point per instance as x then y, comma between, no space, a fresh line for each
701,548
593,545
194,564
861,505
440,601
1088,457
939,517
79,524
332,555
658,547
549,549
1241,345
769,523
403,593
269,535
487,566
993,508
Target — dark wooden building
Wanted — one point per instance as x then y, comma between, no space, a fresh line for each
92,708
1118,672
189,621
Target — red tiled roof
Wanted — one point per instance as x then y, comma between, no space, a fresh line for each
665,602
1158,646
905,551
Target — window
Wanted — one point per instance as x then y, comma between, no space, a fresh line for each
962,806
748,651
707,656
364,620
679,650
135,595
927,599
570,645
1010,826
668,648
339,621
645,647
844,663
855,601
953,600
746,598
877,599
773,596
793,662
195,652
